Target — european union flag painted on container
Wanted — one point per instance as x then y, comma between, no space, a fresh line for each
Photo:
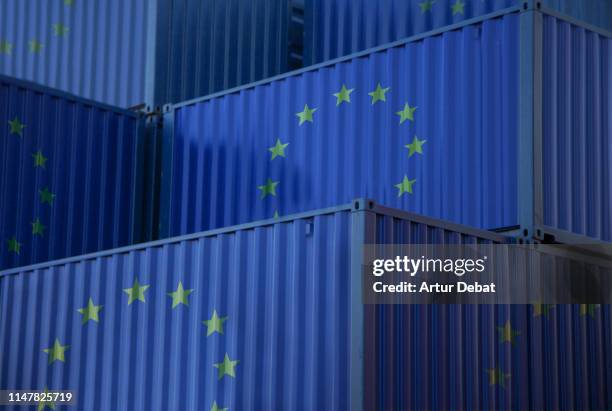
68,175
428,126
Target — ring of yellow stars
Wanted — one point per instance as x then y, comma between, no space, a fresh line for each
541,309
44,404
136,292
415,147
458,7
405,186
14,246
90,312
56,352
268,189
344,95
5,47
497,377
39,159
60,30
278,150
407,113
180,295
507,334
16,126
379,94
46,196
306,115
426,5
227,367
68,2
215,324
35,46
588,309
38,228
215,407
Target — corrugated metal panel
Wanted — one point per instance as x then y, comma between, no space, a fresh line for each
438,357
213,46
126,53
286,323
463,84
286,289
335,28
577,129
92,48
69,175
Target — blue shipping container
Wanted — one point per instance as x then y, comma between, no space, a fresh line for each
335,28
126,53
500,122
70,174
576,142
269,316
207,46
93,49
428,126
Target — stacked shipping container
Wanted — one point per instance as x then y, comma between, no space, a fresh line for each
433,124
71,175
126,53
335,28
576,153
282,300
429,126
93,49
440,110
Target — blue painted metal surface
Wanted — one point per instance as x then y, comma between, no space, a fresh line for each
94,49
335,28
219,156
577,129
69,179
126,53
208,46
438,357
287,288
285,322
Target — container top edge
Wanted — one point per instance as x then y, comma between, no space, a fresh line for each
576,22
65,95
444,224
178,239
353,56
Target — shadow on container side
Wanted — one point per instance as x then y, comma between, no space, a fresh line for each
70,172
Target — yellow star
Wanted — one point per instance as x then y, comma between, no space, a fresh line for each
56,352
507,334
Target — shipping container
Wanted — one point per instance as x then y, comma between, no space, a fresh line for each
269,315
404,125
93,49
71,173
335,28
127,53
501,122
576,142
208,46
